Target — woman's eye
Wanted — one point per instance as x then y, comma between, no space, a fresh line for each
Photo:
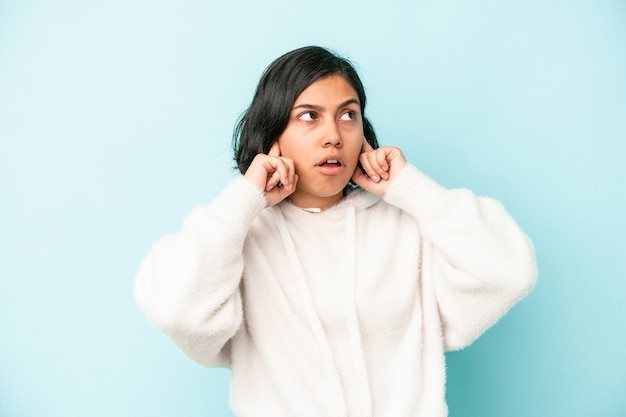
308,116
349,115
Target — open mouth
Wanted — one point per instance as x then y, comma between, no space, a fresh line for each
331,162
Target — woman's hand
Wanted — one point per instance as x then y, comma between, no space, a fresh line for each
381,166
274,175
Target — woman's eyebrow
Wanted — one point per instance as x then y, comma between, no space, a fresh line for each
350,101
318,107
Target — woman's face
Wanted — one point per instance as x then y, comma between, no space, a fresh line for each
323,137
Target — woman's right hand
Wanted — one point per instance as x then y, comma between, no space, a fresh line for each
267,171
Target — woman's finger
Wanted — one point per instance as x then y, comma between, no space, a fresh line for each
367,167
291,173
366,147
285,169
274,150
272,180
278,194
381,165
372,159
381,157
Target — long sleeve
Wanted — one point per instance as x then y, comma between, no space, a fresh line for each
479,260
188,284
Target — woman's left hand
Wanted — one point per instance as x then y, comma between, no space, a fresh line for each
381,166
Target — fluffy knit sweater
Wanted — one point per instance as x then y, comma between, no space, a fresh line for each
346,312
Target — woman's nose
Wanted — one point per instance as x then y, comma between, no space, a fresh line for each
332,136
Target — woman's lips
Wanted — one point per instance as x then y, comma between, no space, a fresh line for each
331,166
331,160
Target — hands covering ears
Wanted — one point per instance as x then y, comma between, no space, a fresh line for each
380,165
266,171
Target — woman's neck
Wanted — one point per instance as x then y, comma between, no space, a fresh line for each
315,203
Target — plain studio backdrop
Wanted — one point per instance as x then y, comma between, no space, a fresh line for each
116,118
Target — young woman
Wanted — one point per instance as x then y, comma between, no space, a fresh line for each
332,275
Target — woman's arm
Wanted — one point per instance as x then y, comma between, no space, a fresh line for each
479,260
188,284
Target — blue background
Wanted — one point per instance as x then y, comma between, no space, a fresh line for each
116,117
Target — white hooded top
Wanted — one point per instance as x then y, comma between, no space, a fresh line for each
346,312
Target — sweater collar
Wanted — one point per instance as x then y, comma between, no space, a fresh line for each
355,197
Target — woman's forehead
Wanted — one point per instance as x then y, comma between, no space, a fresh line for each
331,89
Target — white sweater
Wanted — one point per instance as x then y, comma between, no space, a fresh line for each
346,312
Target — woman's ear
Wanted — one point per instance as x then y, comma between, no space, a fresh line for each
275,149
